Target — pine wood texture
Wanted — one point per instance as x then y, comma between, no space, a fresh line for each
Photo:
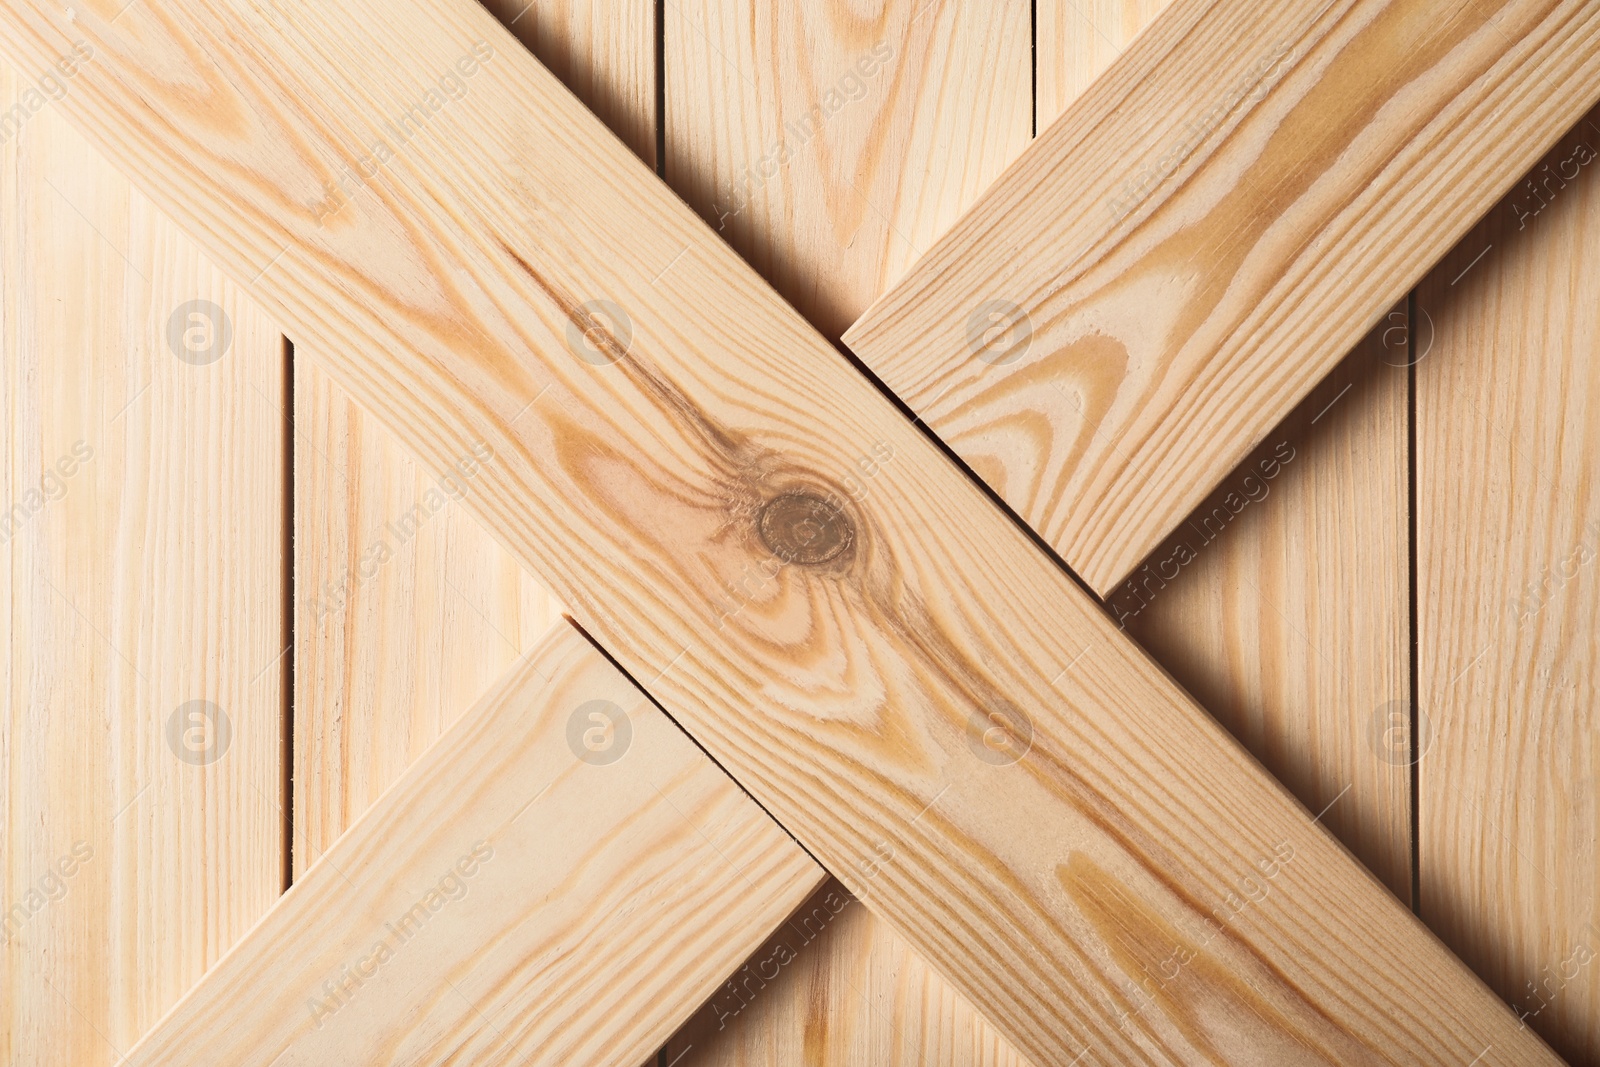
827,147
1508,533
1282,603
405,610
835,986
870,689
1204,234
143,537
1076,41
562,834
830,143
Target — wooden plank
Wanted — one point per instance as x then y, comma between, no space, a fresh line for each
143,534
830,148
561,879
1204,234
1075,42
407,610
1282,603
826,151
1508,601
869,689
835,987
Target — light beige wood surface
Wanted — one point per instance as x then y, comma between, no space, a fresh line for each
824,145
562,879
405,610
143,537
1076,40
830,143
833,986
1283,604
1508,535
876,660
1204,234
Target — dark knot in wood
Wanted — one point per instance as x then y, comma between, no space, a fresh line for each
805,528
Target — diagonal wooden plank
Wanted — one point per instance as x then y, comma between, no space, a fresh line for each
1508,533
1198,240
562,834
142,536
839,616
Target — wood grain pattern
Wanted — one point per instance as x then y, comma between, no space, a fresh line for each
1204,234
143,541
830,143
1282,604
406,610
870,690
1507,537
1076,40
836,986
823,143
563,834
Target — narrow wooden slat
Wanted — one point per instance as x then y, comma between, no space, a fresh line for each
870,689
821,145
1076,41
1282,603
1204,234
828,146
561,879
143,539
1508,535
406,610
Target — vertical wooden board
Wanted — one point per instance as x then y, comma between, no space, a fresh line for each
829,146
405,609
1076,40
1508,535
144,532
830,143
1282,604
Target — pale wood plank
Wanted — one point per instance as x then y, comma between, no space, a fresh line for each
406,611
144,538
827,147
850,691
1076,41
1204,234
1508,604
403,616
831,145
1283,603
835,987
523,895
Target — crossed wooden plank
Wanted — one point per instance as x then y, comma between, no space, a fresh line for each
860,596
1204,233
